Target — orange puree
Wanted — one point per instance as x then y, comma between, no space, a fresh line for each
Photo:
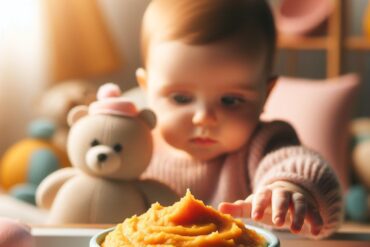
186,223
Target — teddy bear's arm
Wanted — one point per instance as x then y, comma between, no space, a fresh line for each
157,192
49,187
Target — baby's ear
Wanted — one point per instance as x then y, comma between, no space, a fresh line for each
148,117
141,78
76,113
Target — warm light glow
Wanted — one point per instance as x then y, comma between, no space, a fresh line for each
20,34
22,65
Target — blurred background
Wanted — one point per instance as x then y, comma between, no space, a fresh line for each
55,53
43,43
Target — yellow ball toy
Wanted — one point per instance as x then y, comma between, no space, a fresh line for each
25,164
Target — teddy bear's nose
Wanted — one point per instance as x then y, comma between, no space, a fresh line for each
102,157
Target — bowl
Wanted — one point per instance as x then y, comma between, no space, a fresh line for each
272,240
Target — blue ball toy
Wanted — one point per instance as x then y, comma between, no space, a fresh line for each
357,208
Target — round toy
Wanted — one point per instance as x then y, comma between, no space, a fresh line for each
358,195
358,204
360,130
361,160
25,164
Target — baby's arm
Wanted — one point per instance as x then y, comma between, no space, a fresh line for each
50,186
276,205
293,181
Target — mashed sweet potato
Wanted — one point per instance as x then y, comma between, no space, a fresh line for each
186,223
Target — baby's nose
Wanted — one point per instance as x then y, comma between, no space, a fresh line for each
204,116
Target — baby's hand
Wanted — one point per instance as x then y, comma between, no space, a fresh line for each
281,197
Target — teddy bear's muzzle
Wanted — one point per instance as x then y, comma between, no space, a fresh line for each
103,160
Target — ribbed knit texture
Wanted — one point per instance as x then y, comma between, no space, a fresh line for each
272,154
310,171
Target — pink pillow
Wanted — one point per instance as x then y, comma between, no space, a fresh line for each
295,17
320,111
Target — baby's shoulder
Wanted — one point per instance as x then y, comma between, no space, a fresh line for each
269,136
275,126
273,129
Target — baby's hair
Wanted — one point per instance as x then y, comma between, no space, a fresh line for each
199,22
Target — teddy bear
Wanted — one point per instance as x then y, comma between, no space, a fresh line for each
58,99
109,145
358,195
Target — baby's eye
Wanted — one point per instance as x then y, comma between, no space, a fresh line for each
231,101
117,148
95,142
181,99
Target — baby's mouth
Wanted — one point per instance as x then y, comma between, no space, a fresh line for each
203,140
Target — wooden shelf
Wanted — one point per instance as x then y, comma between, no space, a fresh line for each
335,43
357,43
321,43
302,43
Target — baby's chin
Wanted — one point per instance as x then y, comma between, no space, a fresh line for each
210,158
202,154
188,153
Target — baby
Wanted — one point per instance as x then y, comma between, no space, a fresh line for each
207,74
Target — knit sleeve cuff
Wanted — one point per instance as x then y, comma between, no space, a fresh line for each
268,137
310,171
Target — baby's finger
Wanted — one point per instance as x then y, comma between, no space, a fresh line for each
249,199
280,204
240,209
314,219
261,200
299,211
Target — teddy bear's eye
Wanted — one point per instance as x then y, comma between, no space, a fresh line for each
117,147
94,143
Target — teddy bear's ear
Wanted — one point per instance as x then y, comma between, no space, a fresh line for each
76,113
148,117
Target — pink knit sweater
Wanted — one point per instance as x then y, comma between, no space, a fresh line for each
272,154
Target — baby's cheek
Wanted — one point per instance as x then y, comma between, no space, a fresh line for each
237,133
171,130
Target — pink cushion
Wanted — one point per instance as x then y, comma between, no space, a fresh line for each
295,17
320,111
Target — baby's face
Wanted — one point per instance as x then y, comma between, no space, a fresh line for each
207,98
